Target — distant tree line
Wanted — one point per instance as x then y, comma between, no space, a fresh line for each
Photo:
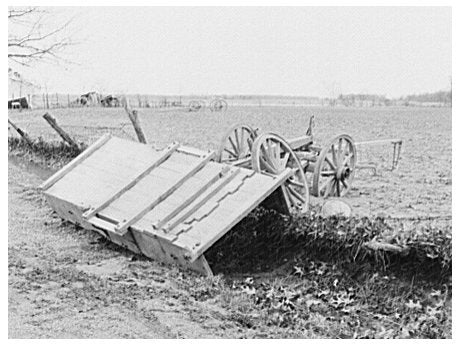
435,97
439,98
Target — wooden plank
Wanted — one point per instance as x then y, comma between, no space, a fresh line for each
225,217
199,202
93,186
75,162
193,151
380,141
190,199
102,224
122,153
295,143
123,226
169,150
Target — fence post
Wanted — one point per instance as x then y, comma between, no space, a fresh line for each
133,116
52,122
21,133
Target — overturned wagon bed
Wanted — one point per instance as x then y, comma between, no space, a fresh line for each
170,205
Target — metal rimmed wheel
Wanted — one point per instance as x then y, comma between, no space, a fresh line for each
335,168
235,146
272,154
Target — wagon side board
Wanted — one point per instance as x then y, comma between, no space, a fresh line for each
170,205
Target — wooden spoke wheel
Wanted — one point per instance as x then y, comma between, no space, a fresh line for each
235,146
272,154
194,106
218,105
335,168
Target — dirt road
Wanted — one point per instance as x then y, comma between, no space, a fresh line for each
69,283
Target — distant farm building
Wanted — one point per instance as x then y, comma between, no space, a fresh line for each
20,91
18,103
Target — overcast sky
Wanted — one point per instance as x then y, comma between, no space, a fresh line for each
311,51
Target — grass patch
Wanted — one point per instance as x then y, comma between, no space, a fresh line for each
53,154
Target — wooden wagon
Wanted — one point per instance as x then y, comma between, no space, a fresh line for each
170,205
320,171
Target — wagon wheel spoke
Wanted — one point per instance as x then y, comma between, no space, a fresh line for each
284,161
295,183
295,193
327,173
334,158
345,183
347,160
266,158
243,135
290,197
235,149
328,185
339,153
277,151
231,152
337,185
328,160
267,166
237,140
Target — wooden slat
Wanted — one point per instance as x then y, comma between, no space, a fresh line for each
123,226
102,224
75,162
199,202
168,151
193,151
199,238
190,199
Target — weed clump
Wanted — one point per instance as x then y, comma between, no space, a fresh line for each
53,153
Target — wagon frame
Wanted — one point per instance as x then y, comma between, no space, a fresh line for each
332,167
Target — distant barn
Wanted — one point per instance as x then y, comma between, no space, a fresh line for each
18,103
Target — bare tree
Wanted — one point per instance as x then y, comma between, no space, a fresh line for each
32,38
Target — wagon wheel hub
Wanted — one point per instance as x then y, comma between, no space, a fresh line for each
343,173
